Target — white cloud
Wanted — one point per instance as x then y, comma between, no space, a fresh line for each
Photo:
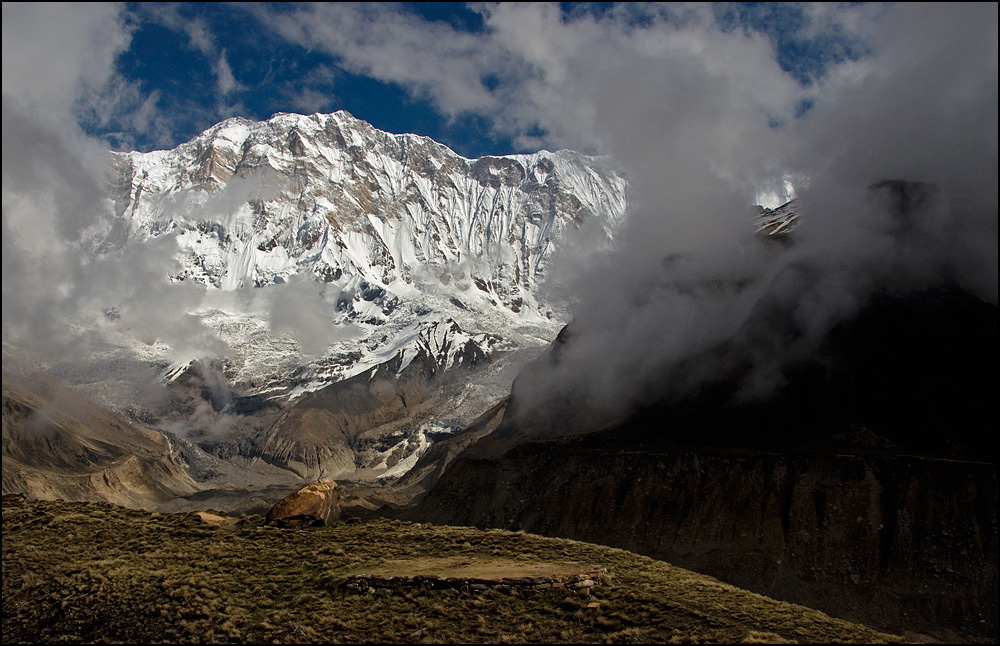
431,59
306,309
689,108
54,53
225,81
59,68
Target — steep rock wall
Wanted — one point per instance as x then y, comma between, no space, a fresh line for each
897,541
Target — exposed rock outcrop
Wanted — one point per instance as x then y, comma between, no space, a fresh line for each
59,445
432,464
891,540
321,435
312,506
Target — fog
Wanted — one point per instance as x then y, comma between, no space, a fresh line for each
688,270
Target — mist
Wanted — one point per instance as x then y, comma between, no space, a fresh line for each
689,275
78,303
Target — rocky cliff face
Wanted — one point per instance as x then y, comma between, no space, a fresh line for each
889,540
352,424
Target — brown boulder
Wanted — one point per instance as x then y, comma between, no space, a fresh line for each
312,506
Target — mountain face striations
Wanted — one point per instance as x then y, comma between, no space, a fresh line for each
334,198
371,292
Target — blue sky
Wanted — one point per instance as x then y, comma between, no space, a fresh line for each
268,75
190,65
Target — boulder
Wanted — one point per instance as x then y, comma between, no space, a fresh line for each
213,519
312,506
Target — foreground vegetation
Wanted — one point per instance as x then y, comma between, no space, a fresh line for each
91,573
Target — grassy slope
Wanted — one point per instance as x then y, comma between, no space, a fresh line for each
84,572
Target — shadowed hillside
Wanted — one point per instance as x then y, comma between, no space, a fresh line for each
865,485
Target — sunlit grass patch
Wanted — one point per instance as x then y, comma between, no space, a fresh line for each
78,572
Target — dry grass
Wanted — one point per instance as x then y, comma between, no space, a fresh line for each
86,573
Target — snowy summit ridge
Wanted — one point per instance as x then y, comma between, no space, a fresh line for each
253,203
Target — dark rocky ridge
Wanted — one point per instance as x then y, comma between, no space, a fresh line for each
865,486
888,540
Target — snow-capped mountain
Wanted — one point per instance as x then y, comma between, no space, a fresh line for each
329,195
778,221
394,226
371,291
423,269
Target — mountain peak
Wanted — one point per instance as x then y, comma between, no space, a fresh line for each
384,225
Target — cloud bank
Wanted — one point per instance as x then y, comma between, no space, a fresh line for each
703,116
698,103
688,275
